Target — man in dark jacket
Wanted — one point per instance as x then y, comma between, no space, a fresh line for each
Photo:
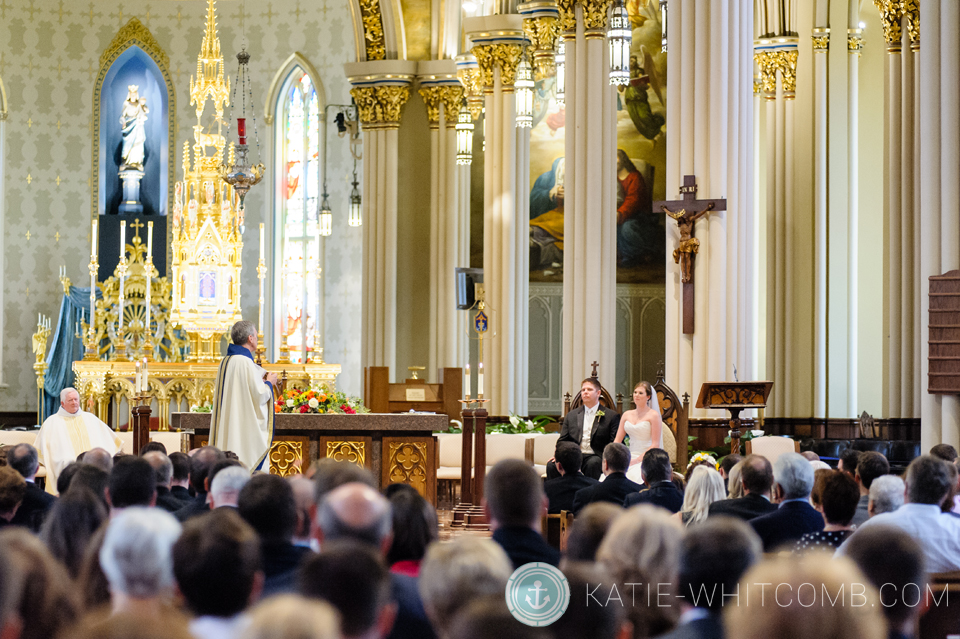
615,486
36,503
589,426
756,475
164,469
661,491
180,483
560,491
795,517
201,464
515,504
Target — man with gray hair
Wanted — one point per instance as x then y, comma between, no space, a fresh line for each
226,486
36,504
928,484
242,416
136,557
163,468
356,511
795,517
69,432
886,495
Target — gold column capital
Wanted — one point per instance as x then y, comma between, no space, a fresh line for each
452,97
568,15
373,38
502,55
855,42
891,15
380,106
542,32
594,14
449,95
911,9
772,61
470,78
821,39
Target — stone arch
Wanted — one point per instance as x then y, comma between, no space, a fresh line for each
378,31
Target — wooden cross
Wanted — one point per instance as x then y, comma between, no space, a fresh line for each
594,364
686,212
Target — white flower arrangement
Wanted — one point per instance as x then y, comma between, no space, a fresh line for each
703,457
313,403
290,403
521,424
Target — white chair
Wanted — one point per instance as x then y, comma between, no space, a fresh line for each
449,454
501,446
171,440
771,447
544,446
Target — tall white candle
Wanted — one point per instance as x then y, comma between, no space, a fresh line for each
480,379
123,238
261,240
466,373
145,376
93,242
137,378
150,239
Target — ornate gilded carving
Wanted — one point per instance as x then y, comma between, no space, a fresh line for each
283,457
134,30
772,62
449,95
595,13
568,15
891,14
380,106
911,9
373,30
855,42
407,464
353,452
542,31
821,39
499,55
471,80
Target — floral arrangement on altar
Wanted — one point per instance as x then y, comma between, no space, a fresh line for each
319,401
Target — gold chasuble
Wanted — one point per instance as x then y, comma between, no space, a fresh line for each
65,435
242,419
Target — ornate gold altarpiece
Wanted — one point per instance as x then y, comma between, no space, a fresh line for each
193,310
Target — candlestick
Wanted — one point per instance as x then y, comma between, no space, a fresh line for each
136,378
144,377
93,243
480,380
466,373
149,240
123,238
261,240
148,278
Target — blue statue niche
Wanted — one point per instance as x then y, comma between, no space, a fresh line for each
133,154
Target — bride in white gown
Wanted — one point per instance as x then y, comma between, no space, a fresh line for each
644,427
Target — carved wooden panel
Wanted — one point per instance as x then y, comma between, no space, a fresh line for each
356,450
289,455
944,344
410,460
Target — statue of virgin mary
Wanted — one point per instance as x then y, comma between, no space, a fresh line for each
133,120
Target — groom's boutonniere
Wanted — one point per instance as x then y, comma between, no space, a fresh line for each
600,413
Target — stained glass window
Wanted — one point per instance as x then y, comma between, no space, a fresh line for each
297,269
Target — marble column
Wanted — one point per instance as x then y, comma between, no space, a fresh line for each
498,41
903,215
380,89
940,191
590,168
777,60
442,94
710,135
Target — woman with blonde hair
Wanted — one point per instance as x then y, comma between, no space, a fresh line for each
704,487
644,427
641,551
734,485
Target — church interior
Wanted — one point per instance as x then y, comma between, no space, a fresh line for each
762,251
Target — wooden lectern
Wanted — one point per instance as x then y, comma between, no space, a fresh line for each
380,396
734,396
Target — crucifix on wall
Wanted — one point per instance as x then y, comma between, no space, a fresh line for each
686,212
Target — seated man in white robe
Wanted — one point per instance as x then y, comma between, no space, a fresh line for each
69,432
242,416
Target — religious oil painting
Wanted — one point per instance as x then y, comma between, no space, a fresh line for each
641,163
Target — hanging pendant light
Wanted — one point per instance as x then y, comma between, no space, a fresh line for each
619,38
524,88
464,136
560,61
325,217
663,25
354,218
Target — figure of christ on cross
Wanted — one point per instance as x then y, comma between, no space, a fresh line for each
686,212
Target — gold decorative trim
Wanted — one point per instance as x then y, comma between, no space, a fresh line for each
380,106
450,96
911,9
821,39
568,15
135,34
471,80
284,456
353,452
407,464
891,14
542,31
855,43
373,37
771,62
503,56
595,13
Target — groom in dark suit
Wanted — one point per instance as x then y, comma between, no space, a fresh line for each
601,427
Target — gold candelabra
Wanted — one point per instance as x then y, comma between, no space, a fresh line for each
40,365
120,347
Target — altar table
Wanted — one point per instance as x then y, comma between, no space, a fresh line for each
396,448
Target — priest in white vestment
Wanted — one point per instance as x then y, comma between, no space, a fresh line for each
242,415
69,432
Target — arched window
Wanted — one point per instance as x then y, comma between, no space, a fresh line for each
298,251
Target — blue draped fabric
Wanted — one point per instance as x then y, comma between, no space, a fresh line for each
66,347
